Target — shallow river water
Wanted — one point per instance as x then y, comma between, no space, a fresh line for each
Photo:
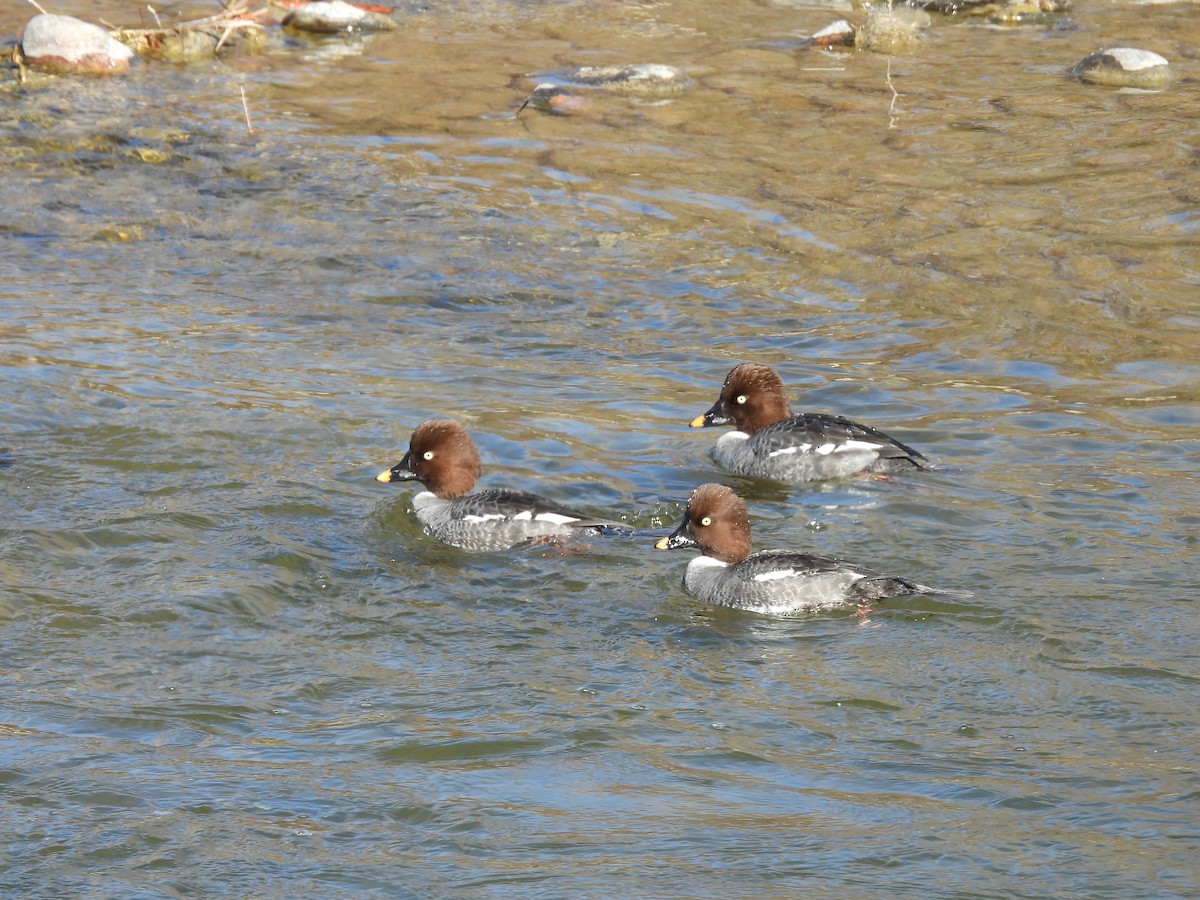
233,664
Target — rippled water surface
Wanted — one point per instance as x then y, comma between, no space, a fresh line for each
234,666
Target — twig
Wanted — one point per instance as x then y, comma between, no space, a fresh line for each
895,96
38,7
19,58
154,12
246,110
232,17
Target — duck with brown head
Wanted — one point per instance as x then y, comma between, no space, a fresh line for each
728,573
771,442
442,456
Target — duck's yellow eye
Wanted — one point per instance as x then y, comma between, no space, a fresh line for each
741,398
706,521
427,455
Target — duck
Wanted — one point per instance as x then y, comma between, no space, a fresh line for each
729,574
771,442
444,459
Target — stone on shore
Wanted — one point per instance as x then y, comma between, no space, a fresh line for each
65,44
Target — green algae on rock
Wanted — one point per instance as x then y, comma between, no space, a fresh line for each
891,31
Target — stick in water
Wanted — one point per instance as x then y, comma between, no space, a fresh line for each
246,109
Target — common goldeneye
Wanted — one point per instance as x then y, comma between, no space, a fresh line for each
769,581
770,442
442,456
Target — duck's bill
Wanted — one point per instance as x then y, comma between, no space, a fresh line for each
675,541
399,472
710,418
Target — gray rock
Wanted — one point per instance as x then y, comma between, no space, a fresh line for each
66,44
640,80
332,16
1124,67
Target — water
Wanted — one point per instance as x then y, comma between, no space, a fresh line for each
235,667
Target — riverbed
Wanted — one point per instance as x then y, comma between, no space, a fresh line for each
235,666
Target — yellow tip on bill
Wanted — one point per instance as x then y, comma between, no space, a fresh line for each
698,422
385,476
662,545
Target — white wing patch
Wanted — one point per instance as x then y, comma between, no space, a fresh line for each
525,515
857,446
802,448
775,575
554,518
847,447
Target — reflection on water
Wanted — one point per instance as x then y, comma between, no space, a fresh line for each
233,659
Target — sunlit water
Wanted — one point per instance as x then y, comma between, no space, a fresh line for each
235,666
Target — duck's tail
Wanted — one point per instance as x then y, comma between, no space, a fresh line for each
884,586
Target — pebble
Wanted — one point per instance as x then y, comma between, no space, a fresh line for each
65,44
1124,67
835,34
332,16
640,80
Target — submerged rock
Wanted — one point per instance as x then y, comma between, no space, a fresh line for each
66,44
332,16
993,8
1041,13
555,99
1124,67
640,80
188,46
890,31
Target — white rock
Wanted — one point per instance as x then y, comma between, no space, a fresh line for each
835,34
1131,59
1124,67
641,79
330,16
66,44
835,29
